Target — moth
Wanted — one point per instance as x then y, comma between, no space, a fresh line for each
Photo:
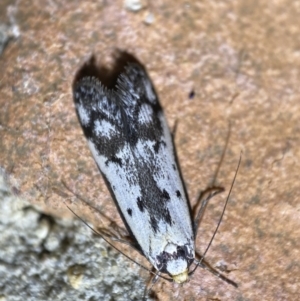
131,143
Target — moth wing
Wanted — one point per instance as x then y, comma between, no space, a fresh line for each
131,143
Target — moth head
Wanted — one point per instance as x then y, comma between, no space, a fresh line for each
175,266
175,260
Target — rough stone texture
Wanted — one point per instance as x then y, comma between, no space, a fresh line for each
45,258
241,59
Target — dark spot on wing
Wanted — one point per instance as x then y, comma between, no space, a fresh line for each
114,159
140,204
166,195
129,211
174,166
156,146
178,193
153,223
150,246
167,216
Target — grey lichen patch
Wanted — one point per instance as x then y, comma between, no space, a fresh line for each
43,258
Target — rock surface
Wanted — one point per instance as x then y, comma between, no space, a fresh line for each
242,61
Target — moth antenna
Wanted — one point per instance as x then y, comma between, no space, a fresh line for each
223,155
220,220
207,267
212,189
81,198
117,249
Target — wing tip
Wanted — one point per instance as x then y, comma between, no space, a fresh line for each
88,87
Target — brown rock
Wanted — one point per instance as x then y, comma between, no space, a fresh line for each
241,59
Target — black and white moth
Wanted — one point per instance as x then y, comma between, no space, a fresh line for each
131,143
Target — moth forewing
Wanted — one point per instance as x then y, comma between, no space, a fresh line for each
132,146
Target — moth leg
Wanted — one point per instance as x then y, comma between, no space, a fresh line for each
202,202
154,276
205,265
88,203
124,240
116,233
222,156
